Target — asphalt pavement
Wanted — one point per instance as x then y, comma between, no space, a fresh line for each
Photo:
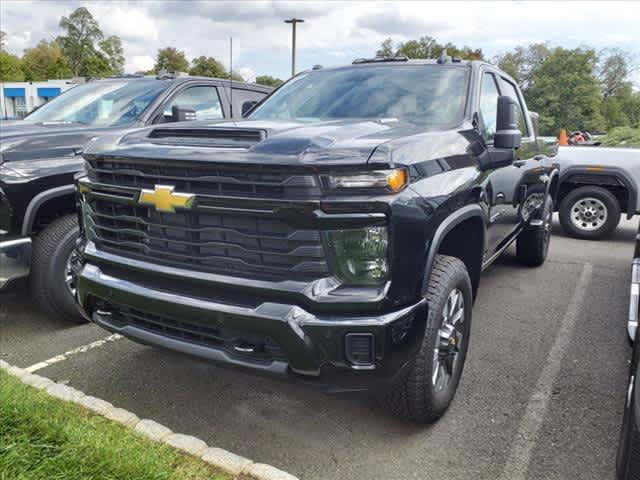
541,396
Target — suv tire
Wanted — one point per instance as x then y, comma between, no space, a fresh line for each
628,456
582,205
421,395
52,250
532,245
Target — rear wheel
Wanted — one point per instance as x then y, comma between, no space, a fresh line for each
51,282
532,245
589,213
425,393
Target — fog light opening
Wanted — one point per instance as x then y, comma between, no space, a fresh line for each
360,349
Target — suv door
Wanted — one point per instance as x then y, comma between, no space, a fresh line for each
203,99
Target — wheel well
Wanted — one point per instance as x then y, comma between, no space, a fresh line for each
608,182
466,242
51,210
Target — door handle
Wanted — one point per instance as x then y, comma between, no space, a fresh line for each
519,163
538,157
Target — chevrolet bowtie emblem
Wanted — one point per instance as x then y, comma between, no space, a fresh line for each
164,199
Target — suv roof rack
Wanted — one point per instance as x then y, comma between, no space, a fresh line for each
399,58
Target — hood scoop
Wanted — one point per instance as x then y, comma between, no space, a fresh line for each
208,137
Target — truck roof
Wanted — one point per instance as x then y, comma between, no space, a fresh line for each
178,79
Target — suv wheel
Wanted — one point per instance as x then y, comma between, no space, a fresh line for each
532,245
589,213
52,285
426,391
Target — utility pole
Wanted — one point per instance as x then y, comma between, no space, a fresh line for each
293,22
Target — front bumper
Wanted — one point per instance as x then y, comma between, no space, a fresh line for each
313,346
15,260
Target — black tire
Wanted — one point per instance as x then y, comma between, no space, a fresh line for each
52,248
532,245
605,197
628,457
415,397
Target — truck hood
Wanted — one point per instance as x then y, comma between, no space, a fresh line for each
20,141
350,141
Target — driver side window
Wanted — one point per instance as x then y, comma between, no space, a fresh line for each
202,99
489,106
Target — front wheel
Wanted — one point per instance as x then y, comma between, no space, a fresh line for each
589,213
428,388
628,457
52,283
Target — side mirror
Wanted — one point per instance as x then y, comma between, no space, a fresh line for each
248,106
180,114
507,134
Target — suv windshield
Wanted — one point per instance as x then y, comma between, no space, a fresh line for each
431,95
107,103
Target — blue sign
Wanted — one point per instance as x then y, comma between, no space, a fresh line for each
12,92
48,92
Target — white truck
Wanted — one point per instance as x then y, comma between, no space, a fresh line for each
597,185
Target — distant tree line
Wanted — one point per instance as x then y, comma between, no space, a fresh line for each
84,51
577,89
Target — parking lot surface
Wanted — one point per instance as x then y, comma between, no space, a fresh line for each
541,396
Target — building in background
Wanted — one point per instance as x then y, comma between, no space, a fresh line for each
17,99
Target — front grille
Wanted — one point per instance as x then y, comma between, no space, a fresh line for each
248,347
238,244
247,181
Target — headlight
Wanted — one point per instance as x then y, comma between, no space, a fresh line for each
390,181
358,257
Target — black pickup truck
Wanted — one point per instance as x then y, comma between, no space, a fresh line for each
337,235
40,155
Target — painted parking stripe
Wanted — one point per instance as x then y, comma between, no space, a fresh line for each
520,455
84,348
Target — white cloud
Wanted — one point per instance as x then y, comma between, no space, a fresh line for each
139,63
333,33
247,74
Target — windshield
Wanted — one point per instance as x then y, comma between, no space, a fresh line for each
101,103
432,95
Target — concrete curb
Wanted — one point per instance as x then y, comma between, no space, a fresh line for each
219,458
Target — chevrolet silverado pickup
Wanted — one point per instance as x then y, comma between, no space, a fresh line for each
336,235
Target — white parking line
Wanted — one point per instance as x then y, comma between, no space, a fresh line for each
520,455
75,351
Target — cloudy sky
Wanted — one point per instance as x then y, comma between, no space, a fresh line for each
335,32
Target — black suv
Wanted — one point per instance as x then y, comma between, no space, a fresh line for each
337,235
40,155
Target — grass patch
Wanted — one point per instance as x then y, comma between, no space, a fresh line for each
45,438
622,137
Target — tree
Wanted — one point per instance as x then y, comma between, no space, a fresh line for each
207,67
79,43
170,59
269,81
111,48
523,61
427,47
10,68
45,61
566,91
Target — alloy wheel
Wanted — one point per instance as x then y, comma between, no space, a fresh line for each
588,214
447,352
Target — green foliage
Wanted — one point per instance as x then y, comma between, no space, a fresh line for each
623,137
170,59
269,81
427,47
565,90
207,67
45,438
522,62
79,42
10,68
111,48
45,61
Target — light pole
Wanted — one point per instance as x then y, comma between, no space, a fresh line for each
293,22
